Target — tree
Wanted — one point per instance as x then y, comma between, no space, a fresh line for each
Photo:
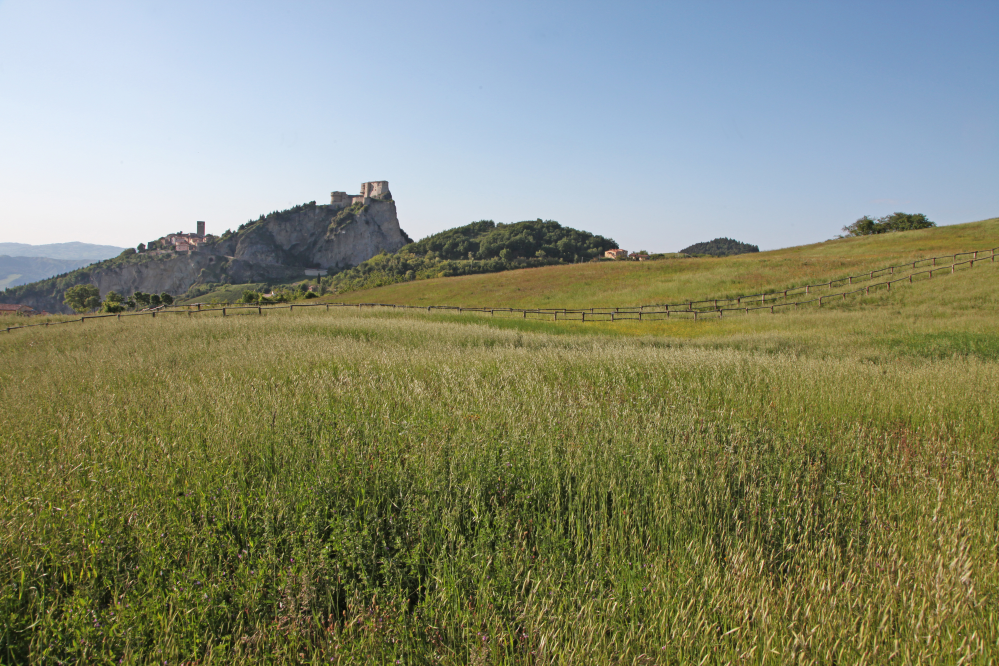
141,299
166,299
154,300
113,303
868,226
141,247
83,297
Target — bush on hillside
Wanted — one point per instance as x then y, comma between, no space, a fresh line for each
868,226
720,247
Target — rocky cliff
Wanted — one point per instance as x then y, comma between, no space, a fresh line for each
276,247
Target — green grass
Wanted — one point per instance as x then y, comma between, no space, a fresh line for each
677,280
379,486
313,488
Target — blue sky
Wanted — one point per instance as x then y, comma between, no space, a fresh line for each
657,124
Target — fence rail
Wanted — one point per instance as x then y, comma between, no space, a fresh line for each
656,312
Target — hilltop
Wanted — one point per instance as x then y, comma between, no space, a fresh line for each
479,247
74,251
280,246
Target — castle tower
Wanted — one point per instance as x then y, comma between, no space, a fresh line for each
201,229
378,189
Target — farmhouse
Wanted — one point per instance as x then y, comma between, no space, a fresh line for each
616,253
13,308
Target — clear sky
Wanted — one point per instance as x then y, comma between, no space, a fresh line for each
658,124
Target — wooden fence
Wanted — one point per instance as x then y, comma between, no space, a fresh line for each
694,310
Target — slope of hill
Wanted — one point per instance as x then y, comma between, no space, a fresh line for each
671,280
74,250
22,270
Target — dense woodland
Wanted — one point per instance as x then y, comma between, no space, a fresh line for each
479,247
721,247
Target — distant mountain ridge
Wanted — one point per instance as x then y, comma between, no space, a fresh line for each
24,270
72,250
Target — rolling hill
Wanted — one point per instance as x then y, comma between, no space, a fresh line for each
611,284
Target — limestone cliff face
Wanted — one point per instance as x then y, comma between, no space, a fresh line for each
278,247
331,237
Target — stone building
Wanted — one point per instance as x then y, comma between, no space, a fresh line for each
376,189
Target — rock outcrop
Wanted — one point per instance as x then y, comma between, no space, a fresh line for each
276,247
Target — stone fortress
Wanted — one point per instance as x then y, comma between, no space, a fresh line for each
376,189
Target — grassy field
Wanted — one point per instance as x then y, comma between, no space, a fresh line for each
385,487
627,283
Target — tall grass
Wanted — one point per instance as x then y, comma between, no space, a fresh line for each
345,488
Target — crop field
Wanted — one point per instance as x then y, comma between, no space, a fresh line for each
370,486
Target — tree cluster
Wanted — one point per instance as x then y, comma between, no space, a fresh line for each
868,226
87,298
720,247
479,247
487,240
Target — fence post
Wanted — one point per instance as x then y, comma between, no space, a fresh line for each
952,268
695,315
260,310
223,312
806,288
